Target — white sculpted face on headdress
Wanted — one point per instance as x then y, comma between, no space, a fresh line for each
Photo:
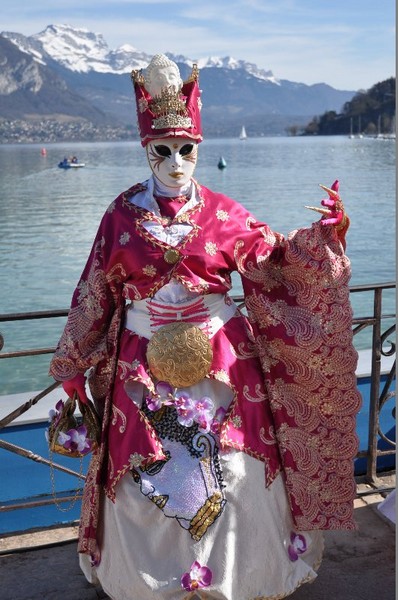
160,74
172,160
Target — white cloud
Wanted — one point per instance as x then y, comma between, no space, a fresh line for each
349,44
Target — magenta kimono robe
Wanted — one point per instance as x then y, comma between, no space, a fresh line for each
290,364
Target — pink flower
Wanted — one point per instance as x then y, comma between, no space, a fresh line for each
197,577
215,426
203,412
185,410
153,403
298,546
203,422
75,439
55,413
203,405
162,396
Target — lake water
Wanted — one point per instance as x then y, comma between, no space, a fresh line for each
49,216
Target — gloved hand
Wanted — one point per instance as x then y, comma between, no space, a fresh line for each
337,216
78,385
334,214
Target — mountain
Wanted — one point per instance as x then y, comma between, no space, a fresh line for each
65,73
30,90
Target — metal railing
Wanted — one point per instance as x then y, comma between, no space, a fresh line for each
381,387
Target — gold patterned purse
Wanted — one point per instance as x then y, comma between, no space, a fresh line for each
72,435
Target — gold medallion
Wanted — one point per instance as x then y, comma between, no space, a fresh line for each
171,256
179,353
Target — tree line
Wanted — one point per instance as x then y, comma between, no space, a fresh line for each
369,112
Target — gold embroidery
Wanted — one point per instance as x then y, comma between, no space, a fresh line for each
205,516
237,422
149,270
313,394
117,412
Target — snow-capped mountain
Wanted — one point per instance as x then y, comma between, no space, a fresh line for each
79,50
82,51
93,75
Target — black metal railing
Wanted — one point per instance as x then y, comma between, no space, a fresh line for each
381,386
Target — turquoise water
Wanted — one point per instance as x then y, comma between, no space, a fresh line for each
49,216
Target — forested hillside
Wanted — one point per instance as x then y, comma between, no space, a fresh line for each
369,112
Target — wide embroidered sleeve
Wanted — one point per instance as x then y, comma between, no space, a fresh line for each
297,297
95,308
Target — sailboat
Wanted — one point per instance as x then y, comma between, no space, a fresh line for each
386,136
351,136
358,135
243,134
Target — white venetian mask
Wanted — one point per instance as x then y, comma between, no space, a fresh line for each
172,160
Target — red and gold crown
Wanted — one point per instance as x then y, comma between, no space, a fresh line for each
172,110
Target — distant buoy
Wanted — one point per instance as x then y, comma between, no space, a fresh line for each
43,152
222,163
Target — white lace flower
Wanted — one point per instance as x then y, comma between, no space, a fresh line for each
124,238
222,215
135,460
211,248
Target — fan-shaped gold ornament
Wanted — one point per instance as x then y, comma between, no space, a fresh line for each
179,353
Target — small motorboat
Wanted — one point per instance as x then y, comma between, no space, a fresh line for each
71,163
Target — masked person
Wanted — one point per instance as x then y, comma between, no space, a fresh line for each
227,441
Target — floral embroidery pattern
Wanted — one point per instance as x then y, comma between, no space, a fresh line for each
211,248
124,238
149,270
237,421
142,104
297,546
197,577
136,460
222,215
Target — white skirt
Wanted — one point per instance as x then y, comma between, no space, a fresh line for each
251,548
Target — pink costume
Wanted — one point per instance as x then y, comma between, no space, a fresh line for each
270,430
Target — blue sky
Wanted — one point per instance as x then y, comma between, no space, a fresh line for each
349,44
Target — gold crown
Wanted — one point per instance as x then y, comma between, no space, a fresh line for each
169,110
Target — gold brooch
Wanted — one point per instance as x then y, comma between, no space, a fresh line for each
179,353
171,256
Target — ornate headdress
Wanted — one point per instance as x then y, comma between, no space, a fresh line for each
166,105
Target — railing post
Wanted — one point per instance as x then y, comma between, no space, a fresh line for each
371,468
